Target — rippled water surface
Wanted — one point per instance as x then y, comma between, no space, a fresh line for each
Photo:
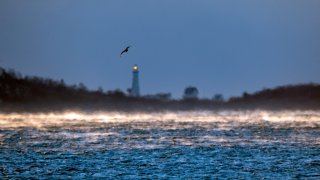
167,145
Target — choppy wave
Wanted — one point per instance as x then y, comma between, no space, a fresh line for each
185,144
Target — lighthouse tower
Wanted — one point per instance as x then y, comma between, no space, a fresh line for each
135,91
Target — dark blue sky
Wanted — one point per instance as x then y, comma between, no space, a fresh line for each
221,46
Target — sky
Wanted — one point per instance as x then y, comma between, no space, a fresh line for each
218,46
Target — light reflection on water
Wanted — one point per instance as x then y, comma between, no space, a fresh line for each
198,144
227,118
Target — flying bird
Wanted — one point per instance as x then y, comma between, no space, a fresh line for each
125,50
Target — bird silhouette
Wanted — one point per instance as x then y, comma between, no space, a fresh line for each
125,50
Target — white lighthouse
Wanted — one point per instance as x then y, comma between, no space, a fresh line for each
135,91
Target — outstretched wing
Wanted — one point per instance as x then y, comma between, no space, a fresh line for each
125,50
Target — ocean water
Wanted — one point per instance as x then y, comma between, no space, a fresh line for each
166,145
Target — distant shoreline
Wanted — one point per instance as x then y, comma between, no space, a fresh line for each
155,106
35,94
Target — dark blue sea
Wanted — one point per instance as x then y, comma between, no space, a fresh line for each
164,145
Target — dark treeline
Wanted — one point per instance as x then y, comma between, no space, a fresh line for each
15,88
304,92
301,96
28,92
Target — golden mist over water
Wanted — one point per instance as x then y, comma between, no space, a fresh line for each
226,119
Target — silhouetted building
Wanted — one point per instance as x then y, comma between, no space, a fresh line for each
135,90
218,98
191,93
